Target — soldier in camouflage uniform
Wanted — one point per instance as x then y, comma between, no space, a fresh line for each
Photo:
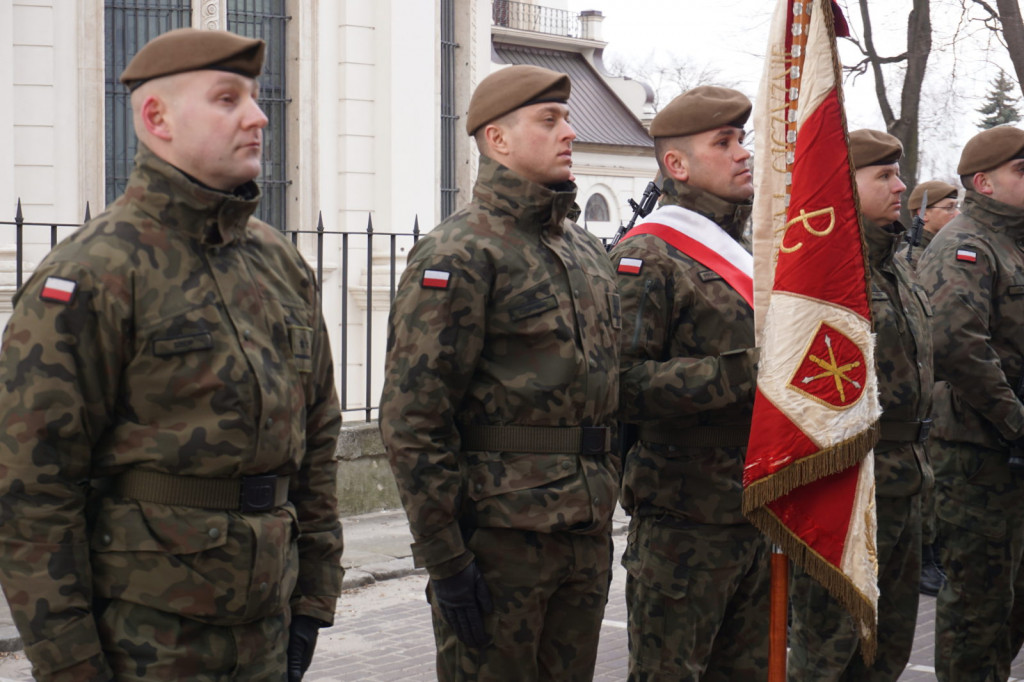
501,386
697,588
823,640
167,415
974,274
942,207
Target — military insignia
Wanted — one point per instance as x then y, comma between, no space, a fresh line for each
833,370
435,279
58,289
967,256
630,266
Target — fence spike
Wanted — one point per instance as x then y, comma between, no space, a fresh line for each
416,225
88,213
320,222
18,217
369,223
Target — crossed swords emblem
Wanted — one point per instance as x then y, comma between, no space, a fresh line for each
833,369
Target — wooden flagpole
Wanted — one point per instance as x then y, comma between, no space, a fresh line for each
779,616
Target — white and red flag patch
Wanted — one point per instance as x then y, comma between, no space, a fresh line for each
58,289
808,481
630,266
436,279
967,255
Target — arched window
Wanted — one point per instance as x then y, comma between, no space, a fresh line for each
597,210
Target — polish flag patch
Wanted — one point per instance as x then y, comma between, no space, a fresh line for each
630,266
58,289
967,255
436,279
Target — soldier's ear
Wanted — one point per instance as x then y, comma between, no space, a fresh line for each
676,164
497,139
982,183
153,114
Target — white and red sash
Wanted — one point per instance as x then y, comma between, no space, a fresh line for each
705,242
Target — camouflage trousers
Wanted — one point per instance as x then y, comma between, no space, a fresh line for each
143,644
823,639
979,613
697,599
929,529
549,592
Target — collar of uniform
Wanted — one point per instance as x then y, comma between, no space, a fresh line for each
178,202
729,216
882,241
983,208
534,206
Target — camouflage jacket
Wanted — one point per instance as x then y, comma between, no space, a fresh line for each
915,253
191,343
687,361
974,274
506,314
901,317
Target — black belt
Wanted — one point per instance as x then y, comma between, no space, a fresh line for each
697,436
541,440
906,432
246,494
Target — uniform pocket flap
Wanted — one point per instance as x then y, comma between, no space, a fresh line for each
970,518
130,528
495,473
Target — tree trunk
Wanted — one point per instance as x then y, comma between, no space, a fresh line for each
1013,33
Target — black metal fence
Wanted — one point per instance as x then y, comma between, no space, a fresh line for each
367,250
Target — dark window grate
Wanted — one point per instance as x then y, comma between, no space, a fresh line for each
449,118
127,27
267,20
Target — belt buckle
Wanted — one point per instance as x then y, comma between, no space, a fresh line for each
257,494
926,427
595,440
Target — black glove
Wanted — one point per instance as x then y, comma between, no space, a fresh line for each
301,643
463,599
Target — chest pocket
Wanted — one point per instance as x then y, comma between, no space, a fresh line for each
887,319
531,303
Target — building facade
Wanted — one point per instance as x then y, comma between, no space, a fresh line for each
366,101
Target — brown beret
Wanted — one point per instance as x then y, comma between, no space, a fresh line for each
513,87
874,148
191,49
703,108
937,191
991,148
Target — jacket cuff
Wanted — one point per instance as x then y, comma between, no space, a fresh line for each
321,607
77,656
442,554
740,369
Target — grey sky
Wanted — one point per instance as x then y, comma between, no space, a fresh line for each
731,36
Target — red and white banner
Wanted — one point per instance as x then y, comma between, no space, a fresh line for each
702,240
809,476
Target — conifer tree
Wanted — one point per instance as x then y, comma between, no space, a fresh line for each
999,106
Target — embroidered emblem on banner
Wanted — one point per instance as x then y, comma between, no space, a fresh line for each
630,266
967,255
833,371
58,289
436,279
